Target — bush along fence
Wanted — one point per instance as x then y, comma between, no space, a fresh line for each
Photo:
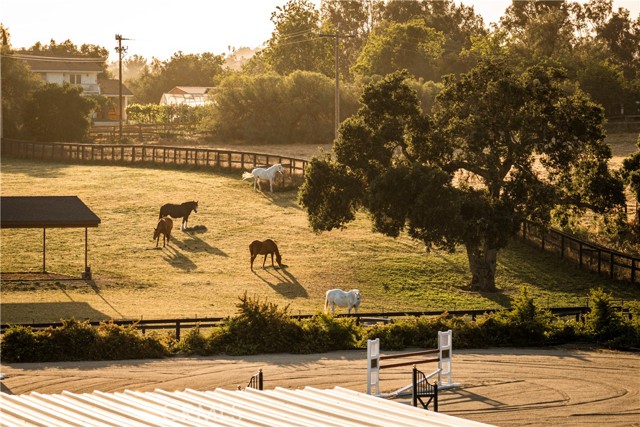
263,327
177,326
589,256
158,155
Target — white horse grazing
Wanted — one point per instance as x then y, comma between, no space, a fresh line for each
342,298
261,173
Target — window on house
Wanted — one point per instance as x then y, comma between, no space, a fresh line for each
75,79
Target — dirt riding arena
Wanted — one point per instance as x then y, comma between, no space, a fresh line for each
505,387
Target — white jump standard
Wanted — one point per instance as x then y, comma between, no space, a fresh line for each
444,359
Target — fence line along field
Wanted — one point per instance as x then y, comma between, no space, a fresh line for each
202,272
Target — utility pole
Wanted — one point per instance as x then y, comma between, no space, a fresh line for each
120,51
337,35
3,41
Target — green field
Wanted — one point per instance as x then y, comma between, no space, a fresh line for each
203,272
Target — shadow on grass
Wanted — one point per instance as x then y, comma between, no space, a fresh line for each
49,312
282,282
193,243
25,167
96,289
548,272
177,259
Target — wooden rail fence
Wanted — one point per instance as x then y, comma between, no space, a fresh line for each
588,256
149,154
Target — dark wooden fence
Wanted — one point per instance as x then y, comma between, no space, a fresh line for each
149,154
178,325
588,256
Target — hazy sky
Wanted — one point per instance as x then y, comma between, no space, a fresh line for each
159,28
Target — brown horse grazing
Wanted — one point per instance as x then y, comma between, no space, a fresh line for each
268,247
164,227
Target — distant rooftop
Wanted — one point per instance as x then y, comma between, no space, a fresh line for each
39,64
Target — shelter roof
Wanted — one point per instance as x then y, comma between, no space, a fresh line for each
45,212
307,407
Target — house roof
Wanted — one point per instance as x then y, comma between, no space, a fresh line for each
45,212
194,90
42,65
110,87
307,407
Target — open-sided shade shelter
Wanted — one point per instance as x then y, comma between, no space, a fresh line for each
48,212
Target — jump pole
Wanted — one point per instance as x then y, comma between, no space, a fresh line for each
444,359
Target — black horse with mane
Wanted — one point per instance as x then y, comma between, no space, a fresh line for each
179,211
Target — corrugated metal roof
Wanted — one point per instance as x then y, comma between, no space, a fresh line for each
306,407
45,212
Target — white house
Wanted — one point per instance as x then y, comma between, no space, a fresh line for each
83,72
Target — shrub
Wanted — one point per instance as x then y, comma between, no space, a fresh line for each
194,343
125,342
607,326
21,344
259,327
76,340
526,323
324,333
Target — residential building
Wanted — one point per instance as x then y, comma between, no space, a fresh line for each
85,73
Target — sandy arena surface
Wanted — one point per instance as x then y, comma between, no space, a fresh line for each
505,387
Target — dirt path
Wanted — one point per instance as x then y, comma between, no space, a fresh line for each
506,387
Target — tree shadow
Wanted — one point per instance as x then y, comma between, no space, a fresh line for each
283,283
178,260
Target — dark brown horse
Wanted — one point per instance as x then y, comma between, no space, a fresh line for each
164,227
267,247
179,211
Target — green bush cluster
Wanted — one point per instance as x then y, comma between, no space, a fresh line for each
76,340
263,327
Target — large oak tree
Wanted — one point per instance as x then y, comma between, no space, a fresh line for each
501,147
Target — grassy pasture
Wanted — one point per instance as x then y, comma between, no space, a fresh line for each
202,272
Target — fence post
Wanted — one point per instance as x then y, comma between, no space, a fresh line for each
580,252
561,246
177,330
611,267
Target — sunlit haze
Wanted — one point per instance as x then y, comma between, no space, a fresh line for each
161,28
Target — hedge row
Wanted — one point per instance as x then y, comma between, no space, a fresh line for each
263,327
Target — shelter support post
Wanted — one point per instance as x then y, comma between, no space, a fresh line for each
44,250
